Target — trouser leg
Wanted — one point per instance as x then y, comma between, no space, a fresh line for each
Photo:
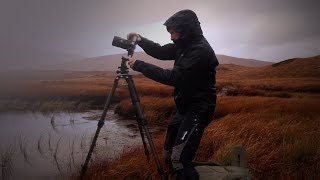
186,144
171,134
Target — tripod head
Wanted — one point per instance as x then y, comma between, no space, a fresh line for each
123,68
130,46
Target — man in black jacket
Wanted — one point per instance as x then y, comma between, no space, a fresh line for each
193,76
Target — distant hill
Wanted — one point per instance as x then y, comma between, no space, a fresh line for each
47,75
296,67
232,71
290,68
223,59
19,58
104,63
111,62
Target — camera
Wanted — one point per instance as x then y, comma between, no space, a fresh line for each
129,45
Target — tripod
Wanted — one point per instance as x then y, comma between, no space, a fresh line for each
123,72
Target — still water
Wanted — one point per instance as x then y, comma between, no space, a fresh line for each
34,145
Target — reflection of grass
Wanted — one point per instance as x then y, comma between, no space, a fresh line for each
82,143
49,141
71,161
68,161
71,157
55,155
71,120
23,148
39,146
6,163
72,151
53,125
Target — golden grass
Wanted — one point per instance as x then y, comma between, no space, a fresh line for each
278,144
280,135
280,87
275,118
132,165
157,110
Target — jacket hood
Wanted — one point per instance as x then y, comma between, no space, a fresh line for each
186,23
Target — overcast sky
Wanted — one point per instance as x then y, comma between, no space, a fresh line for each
270,30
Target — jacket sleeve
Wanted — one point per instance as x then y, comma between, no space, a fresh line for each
166,52
181,73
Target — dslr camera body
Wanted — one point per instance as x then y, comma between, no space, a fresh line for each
128,45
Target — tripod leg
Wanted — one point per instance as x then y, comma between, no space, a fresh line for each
100,125
135,99
142,122
146,151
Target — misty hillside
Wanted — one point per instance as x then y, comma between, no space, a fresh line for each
102,63
226,71
223,59
296,67
291,68
111,62
17,58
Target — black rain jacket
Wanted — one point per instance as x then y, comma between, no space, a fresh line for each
193,73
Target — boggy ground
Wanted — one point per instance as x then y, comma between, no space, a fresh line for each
272,111
281,135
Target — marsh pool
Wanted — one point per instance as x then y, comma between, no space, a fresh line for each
38,145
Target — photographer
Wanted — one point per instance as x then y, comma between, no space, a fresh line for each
193,77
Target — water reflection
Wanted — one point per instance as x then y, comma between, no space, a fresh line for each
38,146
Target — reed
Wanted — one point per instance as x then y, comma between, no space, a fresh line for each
55,155
72,151
23,141
6,162
40,150
49,142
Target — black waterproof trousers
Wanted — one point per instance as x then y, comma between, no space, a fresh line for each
183,137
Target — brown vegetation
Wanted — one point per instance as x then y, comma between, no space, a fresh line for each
272,111
275,118
280,135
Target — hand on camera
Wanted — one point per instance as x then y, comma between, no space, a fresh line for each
131,62
134,34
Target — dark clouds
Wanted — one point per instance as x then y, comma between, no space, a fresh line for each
267,30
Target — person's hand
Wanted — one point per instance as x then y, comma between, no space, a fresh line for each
129,36
131,62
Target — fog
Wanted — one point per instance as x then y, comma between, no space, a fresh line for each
37,33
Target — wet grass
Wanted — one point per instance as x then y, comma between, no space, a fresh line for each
157,110
6,162
271,139
275,118
269,87
44,106
280,135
